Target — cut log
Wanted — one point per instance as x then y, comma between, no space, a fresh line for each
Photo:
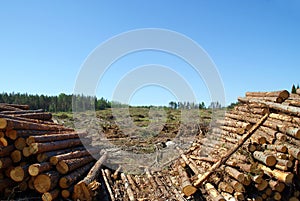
232,151
3,142
5,162
66,193
267,159
213,193
44,116
75,154
16,106
284,94
6,150
19,173
52,195
116,173
67,181
111,195
16,156
20,143
46,182
83,189
69,165
225,187
286,177
276,185
187,188
53,137
37,168
36,148
234,173
46,155
127,187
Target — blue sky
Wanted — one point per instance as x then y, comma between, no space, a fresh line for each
255,44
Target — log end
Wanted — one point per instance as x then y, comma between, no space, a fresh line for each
62,167
3,123
33,169
17,174
270,160
63,183
42,183
189,190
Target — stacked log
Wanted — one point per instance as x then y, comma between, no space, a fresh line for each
39,155
264,167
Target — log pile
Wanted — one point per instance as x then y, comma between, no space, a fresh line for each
251,154
37,155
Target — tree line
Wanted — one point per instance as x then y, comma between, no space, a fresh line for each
60,103
192,105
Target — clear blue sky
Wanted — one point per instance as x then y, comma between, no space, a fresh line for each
254,44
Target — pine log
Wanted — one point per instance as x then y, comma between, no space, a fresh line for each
66,193
284,94
5,151
20,143
27,125
276,106
286,177
75,154
277,147
127,187
82,190
46,182
293,150
232,151
225,187
267,159
187,188
6,183
22,112
116,173
53,137
276,185
46,155
18,106
262,185
36,148
19,173
69,165
5,162
52,195
3,142
67,181
234,173
37,168
44,116
16,156
213,193
108,187
228,197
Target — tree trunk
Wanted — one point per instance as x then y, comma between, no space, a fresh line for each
75,154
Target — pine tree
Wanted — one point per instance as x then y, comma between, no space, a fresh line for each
293,89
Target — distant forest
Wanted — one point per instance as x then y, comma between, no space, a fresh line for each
60,103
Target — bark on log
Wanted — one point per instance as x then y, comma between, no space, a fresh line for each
187,188
16,156
233,150
52,195
69,165
108,187
267,159
213,193
53,137
82,190
5,162
43,116
5,151
127,187
46,155
36,148
284,94
37,168
75,154
67,181
286,177
20,107
46,182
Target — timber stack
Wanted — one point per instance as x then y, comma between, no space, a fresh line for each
38,155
